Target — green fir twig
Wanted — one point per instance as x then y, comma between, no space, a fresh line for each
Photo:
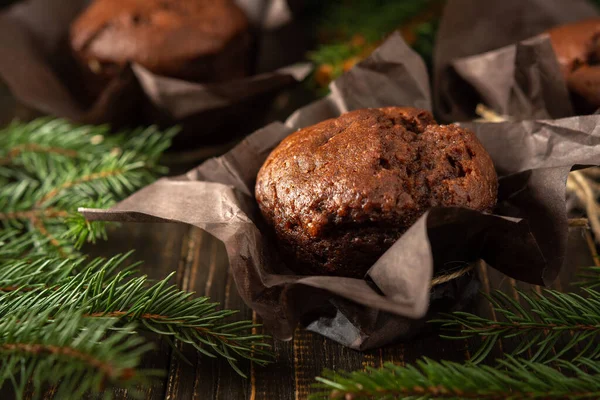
50,167
40,146
370,22
548,319
372,19
511,379
106,288
74,354
589,277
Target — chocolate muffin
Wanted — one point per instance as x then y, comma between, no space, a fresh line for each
577,49
339,193
200,40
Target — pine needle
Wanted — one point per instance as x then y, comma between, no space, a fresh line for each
372,19
352,29
511,379
49,168
550,318
589,277
105,288
65,320
74,354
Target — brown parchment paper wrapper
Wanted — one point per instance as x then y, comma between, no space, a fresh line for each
526,240
493,52
36,65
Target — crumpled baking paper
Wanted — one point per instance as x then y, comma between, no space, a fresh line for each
495,53
525,239
37,67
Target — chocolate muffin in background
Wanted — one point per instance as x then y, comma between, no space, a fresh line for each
577,48
339,193
198,40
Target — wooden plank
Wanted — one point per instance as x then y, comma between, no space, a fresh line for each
276,380
203,267
314,353
299,361
159,246
145,239
206,272
180,372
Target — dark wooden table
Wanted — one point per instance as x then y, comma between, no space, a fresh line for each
202,267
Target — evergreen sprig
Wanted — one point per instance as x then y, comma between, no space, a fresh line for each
49,168
84,312
44,144
73,354
511,379
549,319
106,288
372,19
351,30
589,277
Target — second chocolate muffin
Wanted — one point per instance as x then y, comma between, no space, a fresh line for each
577,48
339,193
198,40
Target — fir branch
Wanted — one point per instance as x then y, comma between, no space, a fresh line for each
29,214
511,379
40,226
104,288
13,244
44,272
51,140
372,19
74,354
589,277
52,167
43,188
41,145
552,316
110,175
17,150
353,29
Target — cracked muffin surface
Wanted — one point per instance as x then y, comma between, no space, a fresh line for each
339,193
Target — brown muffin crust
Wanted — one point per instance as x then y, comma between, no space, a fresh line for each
188,39
585,81
339,193
577,47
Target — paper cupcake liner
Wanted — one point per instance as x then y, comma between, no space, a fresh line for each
525,238
36,65
492,52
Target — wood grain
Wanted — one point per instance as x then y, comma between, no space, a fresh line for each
202,266
159,246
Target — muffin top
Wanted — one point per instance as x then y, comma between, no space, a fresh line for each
158,34
371,172
576,44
